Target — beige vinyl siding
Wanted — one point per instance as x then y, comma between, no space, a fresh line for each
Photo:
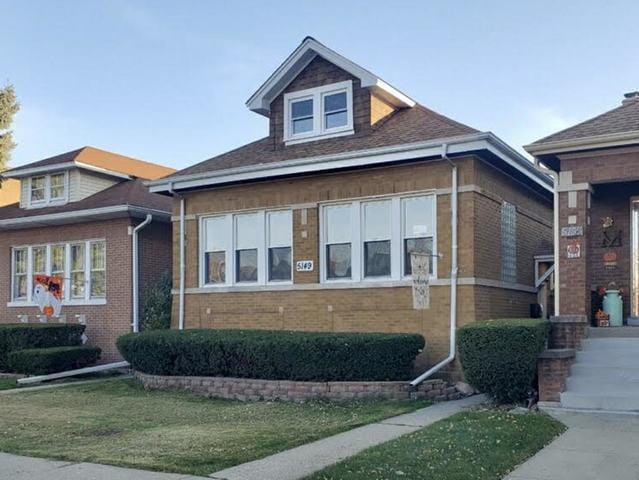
24,193
84,184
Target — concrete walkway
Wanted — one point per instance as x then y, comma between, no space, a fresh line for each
301,461
14,467
597,446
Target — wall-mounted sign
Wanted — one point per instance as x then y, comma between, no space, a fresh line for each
304,266
573,250
611,238
574,231
610,260
607,222
420,267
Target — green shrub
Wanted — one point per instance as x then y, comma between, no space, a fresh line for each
499,357
20,336
156,307
275,355
42,361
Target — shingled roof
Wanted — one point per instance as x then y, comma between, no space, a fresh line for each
404,126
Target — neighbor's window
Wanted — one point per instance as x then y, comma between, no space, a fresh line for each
338,241
38,189
247,240
508,242
20,273
98,270
216,237
377,238
320,112
78,259
279,245
374,239
86,278
417,236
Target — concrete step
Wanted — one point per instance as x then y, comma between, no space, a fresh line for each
610,344
602,401
598,385
615,332
621,358
594,372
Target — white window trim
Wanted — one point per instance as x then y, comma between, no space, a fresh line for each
68,299
319,131
357,242
48,201
230,243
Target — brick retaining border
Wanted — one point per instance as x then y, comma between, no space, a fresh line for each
554,368
256,389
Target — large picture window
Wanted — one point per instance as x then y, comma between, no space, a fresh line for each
246,248
373,239
82,265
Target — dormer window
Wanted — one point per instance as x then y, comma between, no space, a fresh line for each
316,113
48,189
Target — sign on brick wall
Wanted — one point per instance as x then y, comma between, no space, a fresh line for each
574,231
420,266
573,250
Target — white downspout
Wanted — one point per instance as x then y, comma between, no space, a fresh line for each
555,184
136,274
182,260
453,274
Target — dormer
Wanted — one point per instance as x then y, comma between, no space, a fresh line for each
317,94
76,175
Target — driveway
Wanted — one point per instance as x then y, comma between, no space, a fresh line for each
596,446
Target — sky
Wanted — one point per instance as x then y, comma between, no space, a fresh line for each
167,81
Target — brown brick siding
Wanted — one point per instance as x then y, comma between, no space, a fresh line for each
155,255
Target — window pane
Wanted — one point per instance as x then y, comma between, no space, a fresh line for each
77,284
338,264
248,232
377,261
215,267
98,258
417,245
338,223
279,263
246,265
57,186
279,229
216,234
20,286
377,220
418,216
39,259
37,188
302,108
21,260
303,125
77,258
334,120
336,101
98,284
57,259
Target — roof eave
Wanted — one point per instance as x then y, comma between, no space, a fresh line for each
57,167
584,143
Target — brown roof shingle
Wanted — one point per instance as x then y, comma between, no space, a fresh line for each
407,125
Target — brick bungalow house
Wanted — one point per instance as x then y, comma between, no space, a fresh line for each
312,226
75,219
596,170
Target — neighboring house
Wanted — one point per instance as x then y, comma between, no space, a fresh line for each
312,227
598,166
75,219
9,192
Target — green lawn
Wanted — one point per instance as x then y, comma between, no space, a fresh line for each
118,423
7,383
474,445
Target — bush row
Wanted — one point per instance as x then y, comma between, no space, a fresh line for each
42,361
273,355
499,357
20,336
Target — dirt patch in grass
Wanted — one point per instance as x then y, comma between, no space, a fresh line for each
116,422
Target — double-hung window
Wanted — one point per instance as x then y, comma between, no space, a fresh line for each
216,244
38,189
371,240
279,245
320,112
247,241
78,259
20,273
46,189
98,270
57,186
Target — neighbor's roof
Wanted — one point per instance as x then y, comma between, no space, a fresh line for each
9,191
129,193
404,126
100,160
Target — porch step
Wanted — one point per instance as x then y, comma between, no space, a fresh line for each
594,372
602,401
605,343
620,384
614,332
614,358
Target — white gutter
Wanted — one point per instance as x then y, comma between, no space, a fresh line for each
182,259
136,274
556,229
453,275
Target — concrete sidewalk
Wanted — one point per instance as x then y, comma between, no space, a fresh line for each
301,461
14,467
597,446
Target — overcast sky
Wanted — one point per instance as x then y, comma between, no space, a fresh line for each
166,81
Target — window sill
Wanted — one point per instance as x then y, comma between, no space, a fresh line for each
65,303
311,138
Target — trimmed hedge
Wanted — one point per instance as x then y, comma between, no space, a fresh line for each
20,336
499,357
42,361
273,355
